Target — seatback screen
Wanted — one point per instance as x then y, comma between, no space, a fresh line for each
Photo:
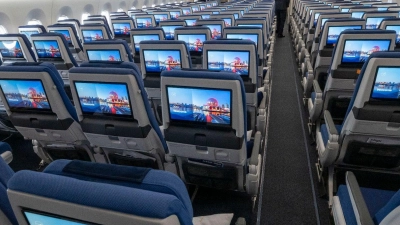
47,49
169,32
174,15
65,33
251,37
195,8
160,17
374,22
194,42
92,35
190,22
356,51
216,30
25,94
11,49
205,16
200,105
143,37
144,22
109,99
228,22
186,11
250,25
397,29
334,32
229,61
46,219
122,28
387,83
357,15
157,61
104,55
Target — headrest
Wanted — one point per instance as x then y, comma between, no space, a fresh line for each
366,32
64,42
73,30
344,20
229,41
70,20
40,27
122,65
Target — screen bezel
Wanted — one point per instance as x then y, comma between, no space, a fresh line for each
53,216
373,85
157,50
355,63
332,44
19,109
231,51
16,58
94,114
195,52
194,123
55,58
100,50
83,35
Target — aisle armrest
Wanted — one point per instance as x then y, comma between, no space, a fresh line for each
256,149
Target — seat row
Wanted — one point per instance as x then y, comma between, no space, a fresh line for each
348,61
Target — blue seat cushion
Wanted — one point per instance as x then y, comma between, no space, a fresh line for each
151,180
4,147
375,199
325,133
106,196
393,203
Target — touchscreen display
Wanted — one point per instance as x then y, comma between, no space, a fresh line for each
387,83
157,61
230,61
356,51
11,49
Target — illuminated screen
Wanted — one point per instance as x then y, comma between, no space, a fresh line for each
143,22
228,22
202,7
29,33
194,42
156,61
208,5
357,15
174,15
11,49
356,51
374,22
195,9
190,22
92,35
316,15
229,61
205,16
186,11
41,219
345,10
334,32
47,49
169,32
122,28
216,30
323,22
66,34
103,98
215,12
25,94
251,37
144,37
250,25
387,83
382,8
160,17
104,55
397,29
200,105
236,15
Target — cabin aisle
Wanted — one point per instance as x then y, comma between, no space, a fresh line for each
290,193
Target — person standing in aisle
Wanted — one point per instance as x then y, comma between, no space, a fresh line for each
281,12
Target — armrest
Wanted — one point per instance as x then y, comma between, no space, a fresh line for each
316,87
357,201
7,156
256,149
329,123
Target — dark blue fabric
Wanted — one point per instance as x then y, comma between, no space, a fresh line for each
393,203
155,180
40,27
313,96
99,26
4,147
325,132
212,76
121,65
100,195
385,55
59,25
70,20
5,174
64,42
114,42
53,73
347,208
170,42
25,42
139,80
260,96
